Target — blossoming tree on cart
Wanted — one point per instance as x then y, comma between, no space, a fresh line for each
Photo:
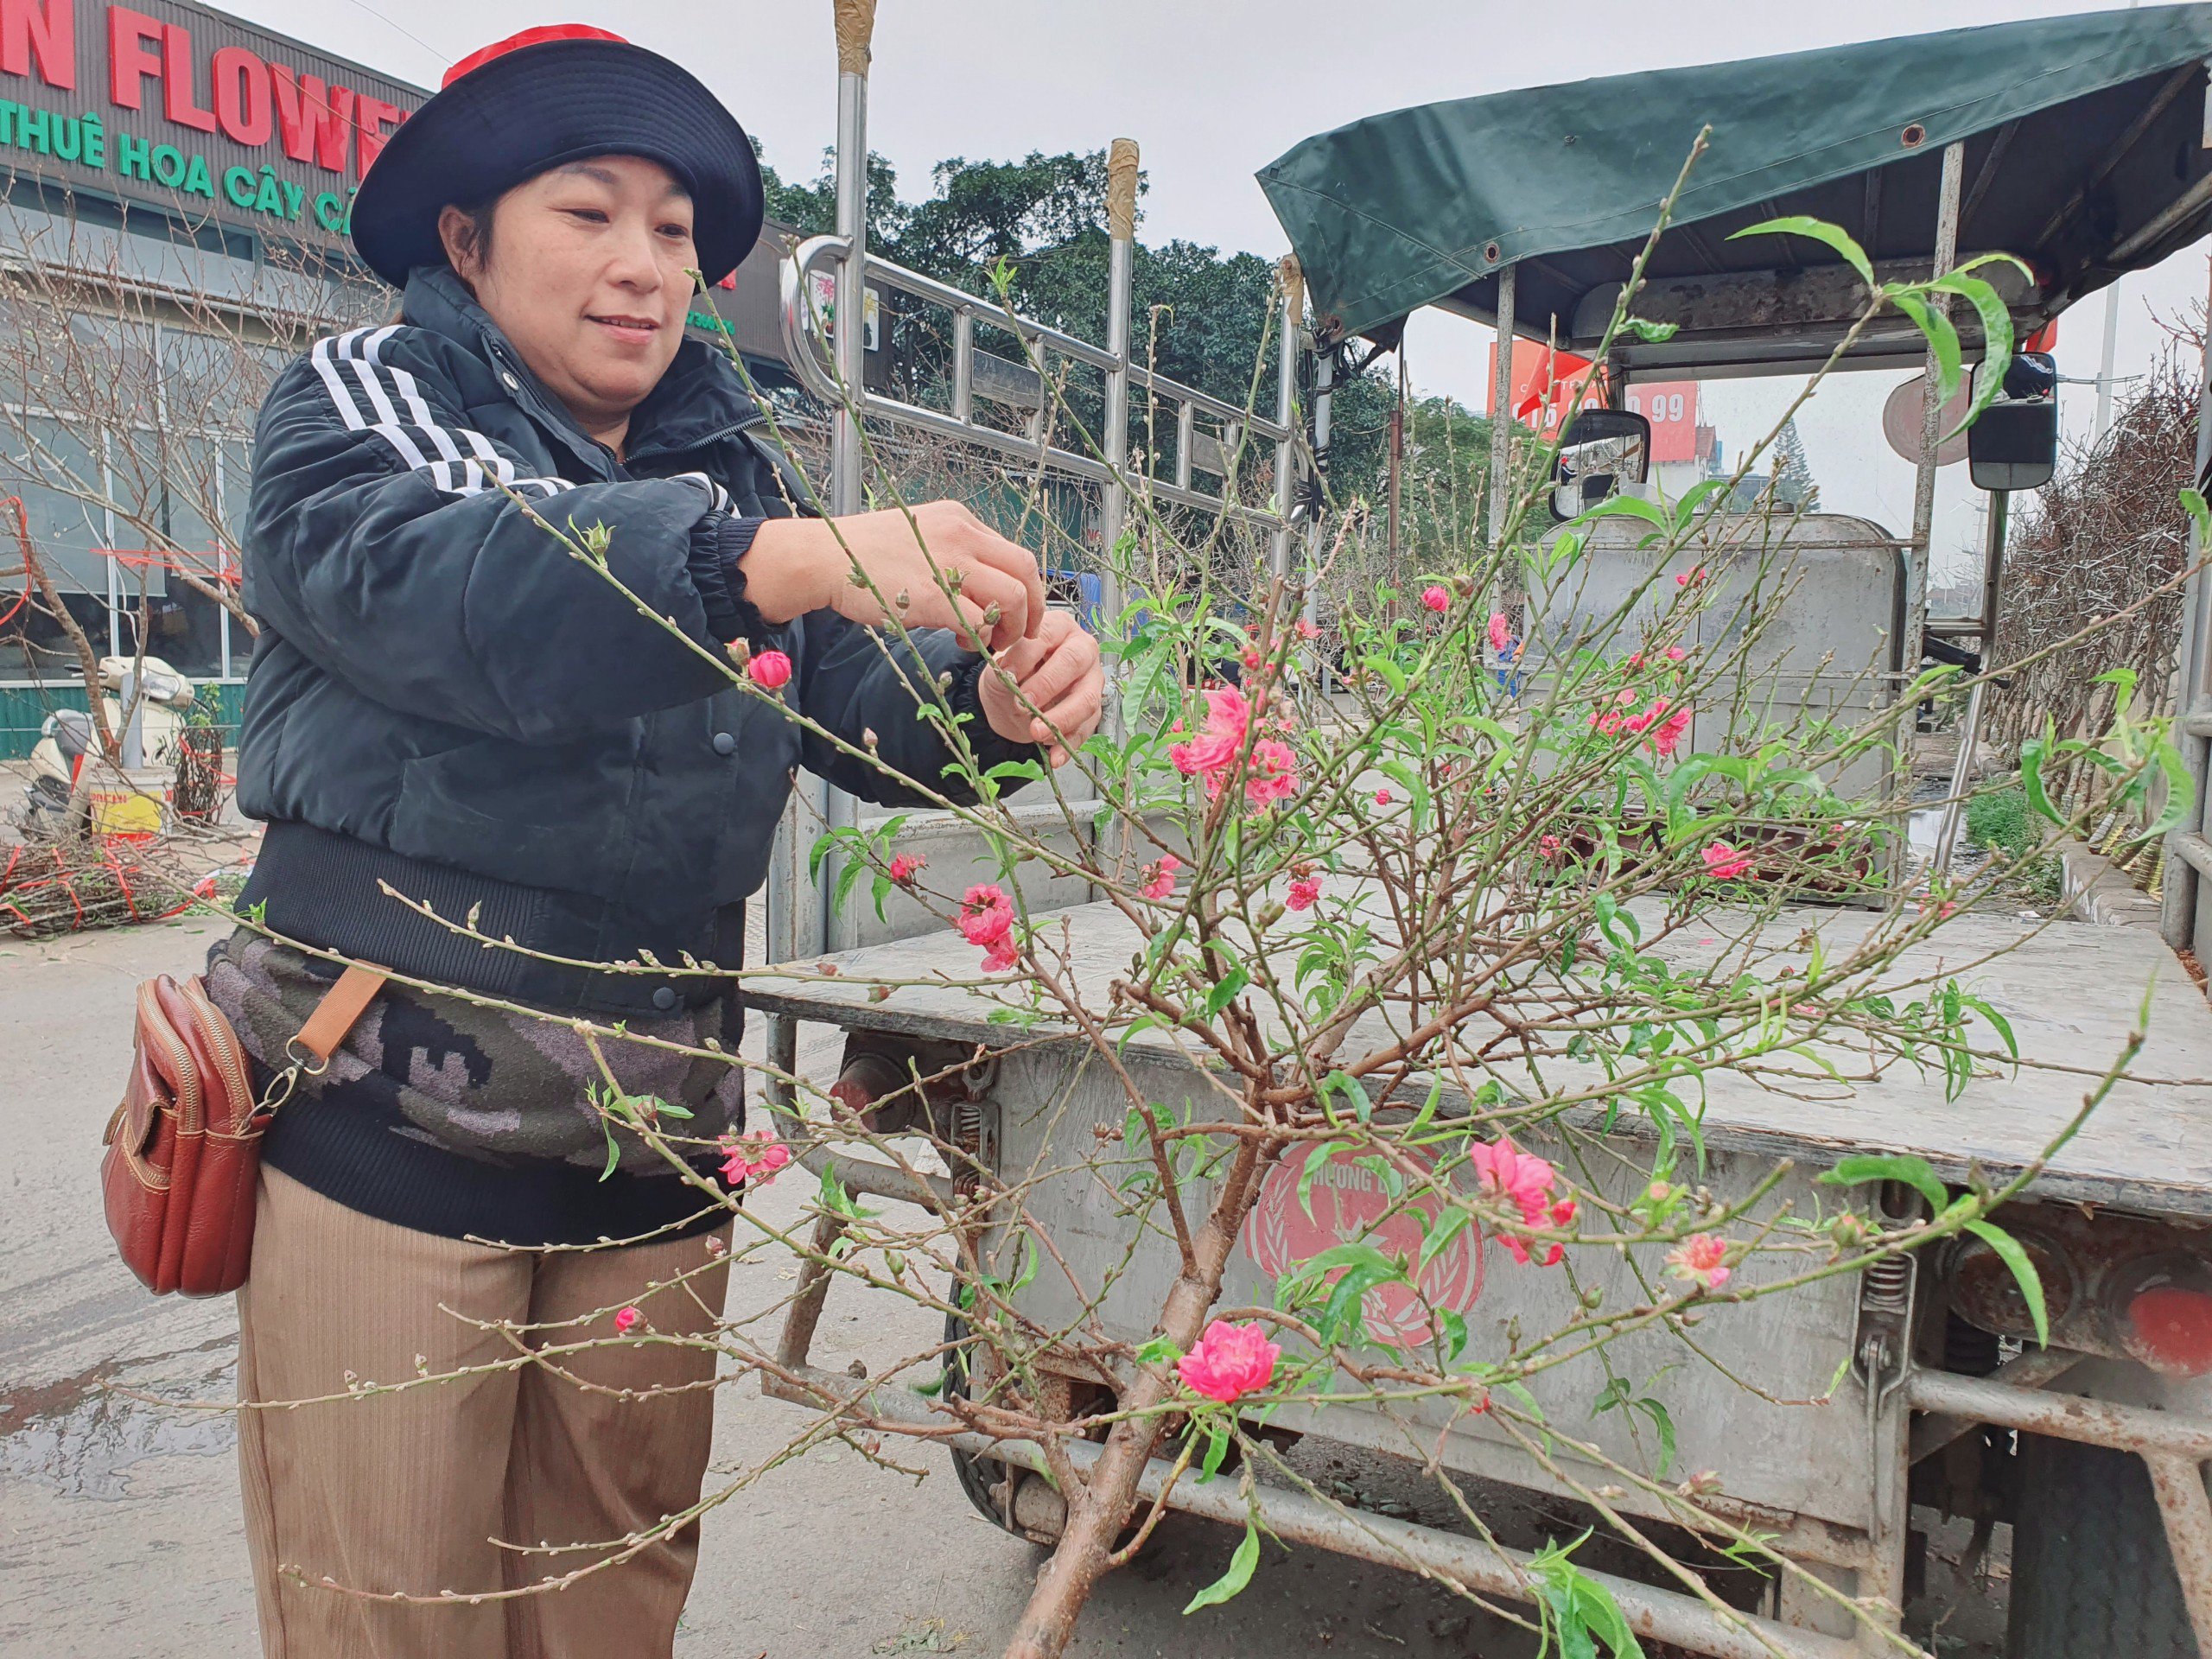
1419,904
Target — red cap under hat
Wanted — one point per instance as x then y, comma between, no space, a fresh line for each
534,100
537,37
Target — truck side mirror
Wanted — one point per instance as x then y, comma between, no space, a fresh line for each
1601,450
2014,446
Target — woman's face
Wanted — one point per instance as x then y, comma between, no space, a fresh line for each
588,272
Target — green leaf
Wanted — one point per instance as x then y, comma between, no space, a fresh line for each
1239,1574
1695,496
1996,333
1644,329
1819,230
1316,1162
1870,1166
2033,752
1219,1439
2008,1249
1225,993
1626,506
2200,514
1664,1425
1448,1227
1389,671
1343,1312
2181,791
1943,340
1998,1022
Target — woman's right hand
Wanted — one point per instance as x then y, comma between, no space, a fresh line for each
797,565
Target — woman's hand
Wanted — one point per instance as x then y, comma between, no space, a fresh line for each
1057,674
797,565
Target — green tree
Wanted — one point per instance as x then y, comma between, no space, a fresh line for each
1203,317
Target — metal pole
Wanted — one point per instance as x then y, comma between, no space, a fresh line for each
1120,250
1659,1616
1923,488
2179,905
851,339
798,912
1324,380
2105,362
1992,565
1293,319
1501,416
1397,461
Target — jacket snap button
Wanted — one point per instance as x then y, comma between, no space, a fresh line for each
725,744
513,385
664,999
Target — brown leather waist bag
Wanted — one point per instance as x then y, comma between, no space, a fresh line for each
184,1147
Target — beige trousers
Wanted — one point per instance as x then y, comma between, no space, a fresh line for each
416,1492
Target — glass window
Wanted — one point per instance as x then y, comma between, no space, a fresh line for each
211,379
50,464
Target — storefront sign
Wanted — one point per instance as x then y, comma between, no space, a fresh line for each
173,104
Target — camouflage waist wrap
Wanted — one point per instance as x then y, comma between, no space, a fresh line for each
485,1082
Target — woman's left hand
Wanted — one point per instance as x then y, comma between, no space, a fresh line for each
1059,673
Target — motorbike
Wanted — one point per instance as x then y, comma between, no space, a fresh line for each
53,802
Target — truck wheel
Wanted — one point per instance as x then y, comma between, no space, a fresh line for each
2092,1574
976,1476
1039,1512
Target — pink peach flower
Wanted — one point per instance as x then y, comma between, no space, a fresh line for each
1159,878
769,670
1381,798
1676,653
907,867
1303,892
1275,772
1725,862
1505,1171
1229,1361
626,1321
986,915
752,1159
1670,733
1498,632
1689,577
1307,630
1549,847
1229,718
1436,599
1702,1258
986,919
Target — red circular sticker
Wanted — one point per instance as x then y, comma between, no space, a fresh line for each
1349,1204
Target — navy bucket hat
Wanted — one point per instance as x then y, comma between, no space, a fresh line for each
539,99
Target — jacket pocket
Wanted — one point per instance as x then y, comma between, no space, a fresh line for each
543,816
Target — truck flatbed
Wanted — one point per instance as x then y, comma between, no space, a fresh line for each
2071,992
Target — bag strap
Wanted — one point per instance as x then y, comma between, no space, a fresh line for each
309,1052
341,1005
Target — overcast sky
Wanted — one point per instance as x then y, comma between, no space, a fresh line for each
1211,90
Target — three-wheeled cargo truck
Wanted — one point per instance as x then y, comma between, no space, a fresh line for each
1845,1419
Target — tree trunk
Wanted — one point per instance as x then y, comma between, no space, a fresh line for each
1098,1511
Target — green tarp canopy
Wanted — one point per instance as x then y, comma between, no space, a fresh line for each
2084,149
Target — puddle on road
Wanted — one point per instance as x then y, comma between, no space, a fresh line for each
1922,826
76,1436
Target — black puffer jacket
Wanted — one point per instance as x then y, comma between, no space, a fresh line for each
444,701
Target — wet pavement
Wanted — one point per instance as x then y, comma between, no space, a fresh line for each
119,1531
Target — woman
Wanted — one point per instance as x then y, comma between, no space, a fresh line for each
457,731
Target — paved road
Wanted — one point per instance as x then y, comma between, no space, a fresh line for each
119,1520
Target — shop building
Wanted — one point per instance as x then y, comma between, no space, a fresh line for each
175,184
